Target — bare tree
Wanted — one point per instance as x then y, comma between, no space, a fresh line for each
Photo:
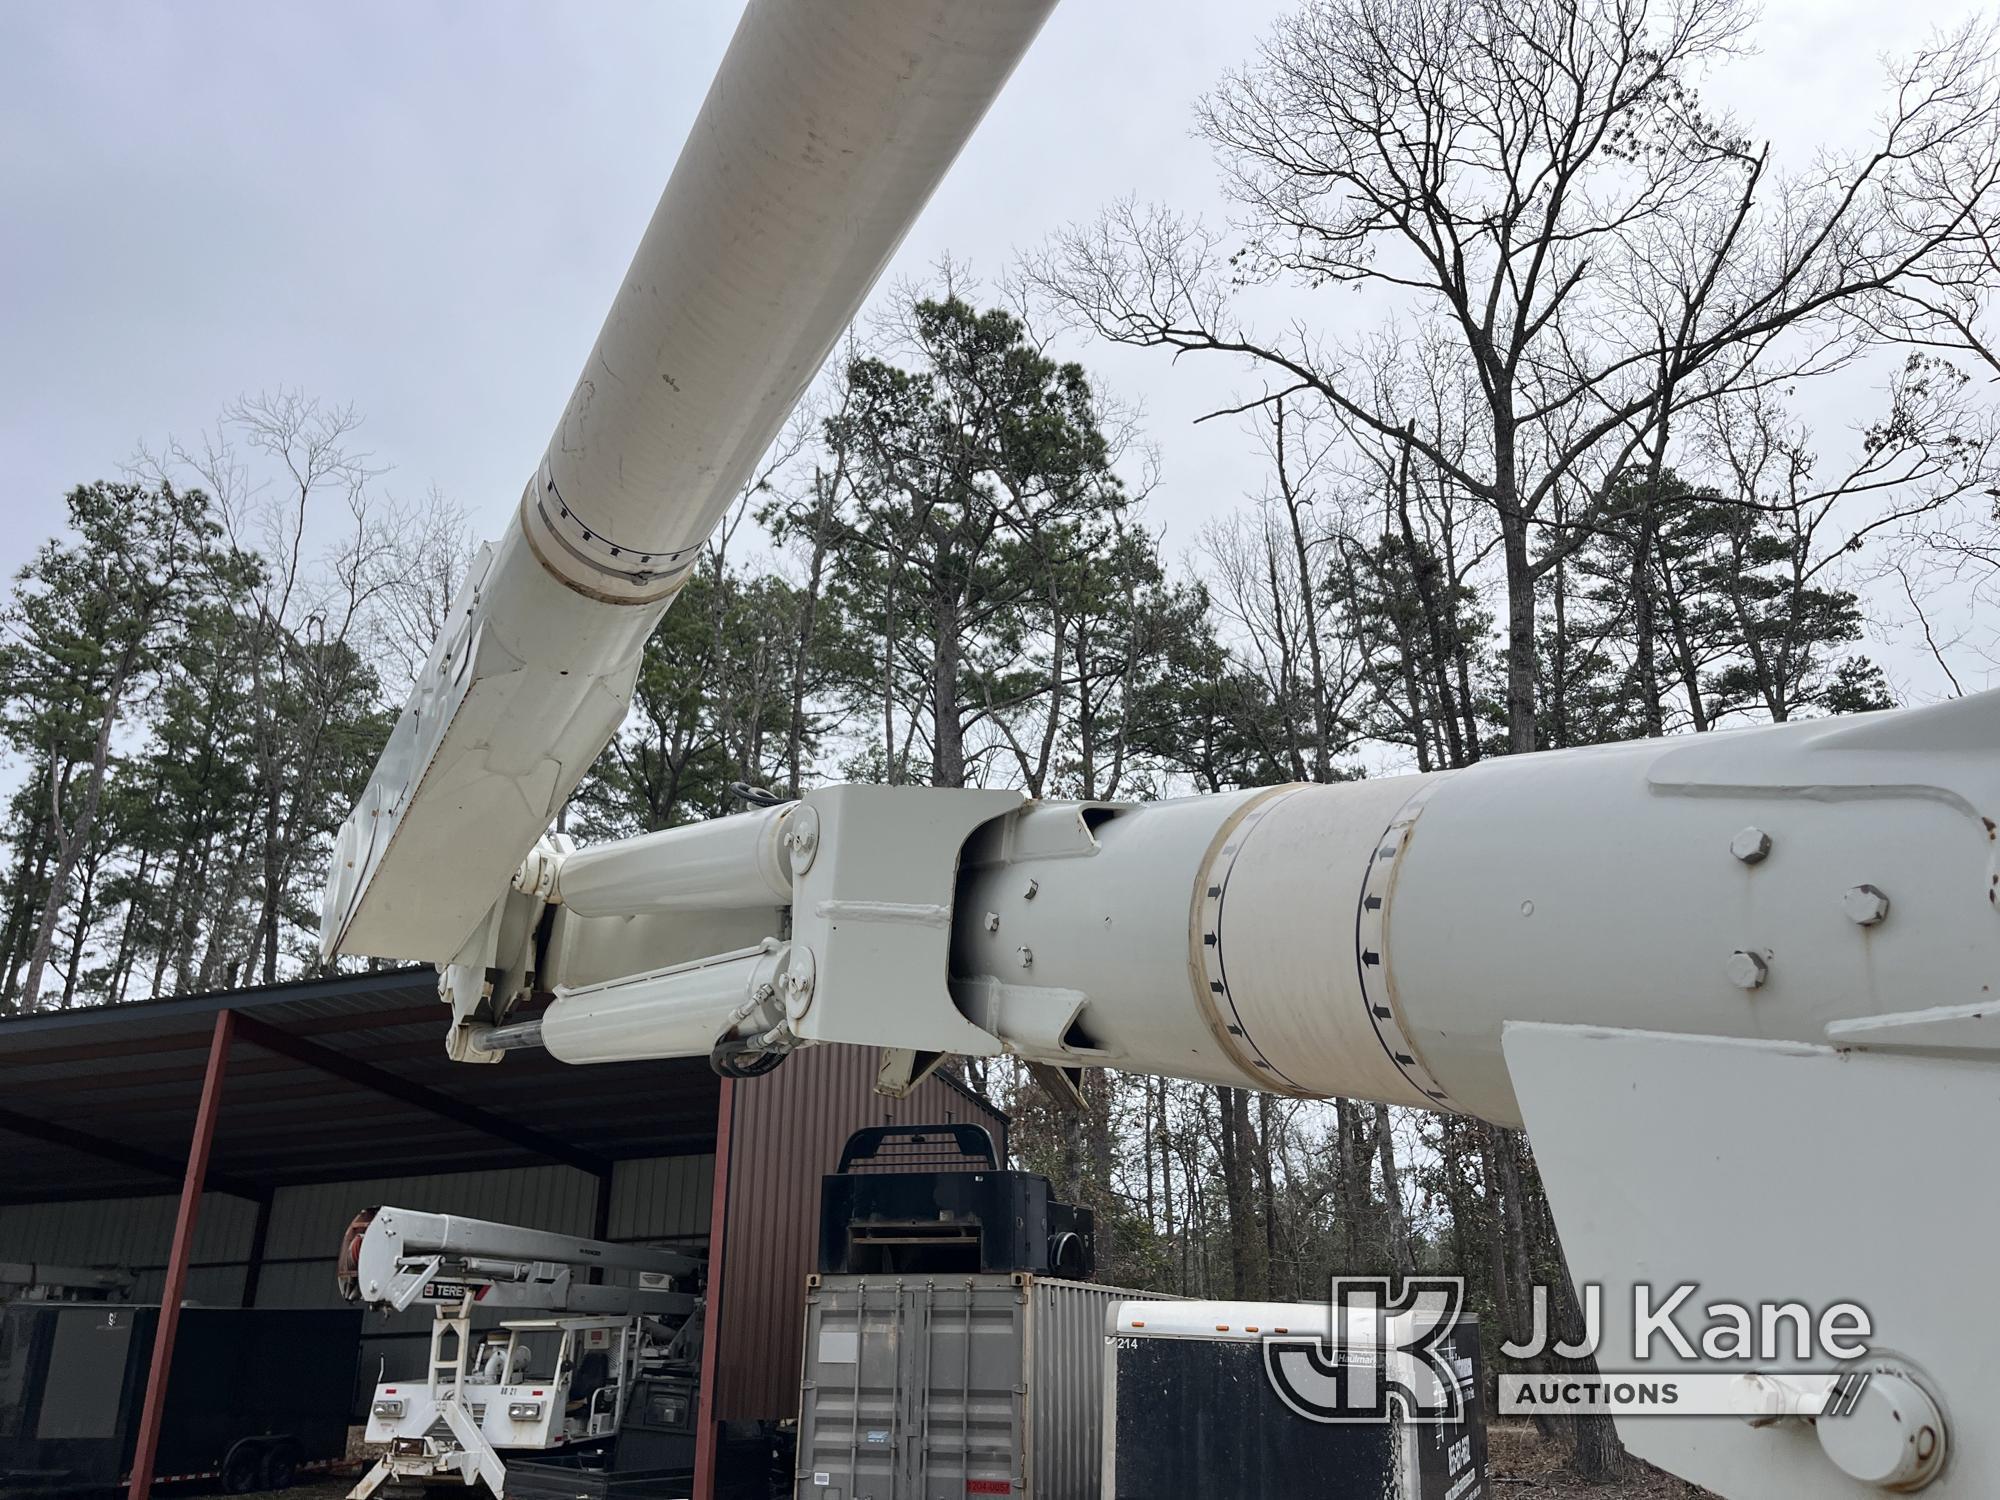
1503,170
294,491
413,575
1795,524
1272,568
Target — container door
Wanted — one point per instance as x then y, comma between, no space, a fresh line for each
965,1377
913,1390
851,1408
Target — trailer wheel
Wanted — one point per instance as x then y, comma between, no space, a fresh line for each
281,1465
243,1469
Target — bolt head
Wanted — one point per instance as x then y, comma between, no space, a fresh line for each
1752,846
798,982
1027,957
1747,970
801,840
993,921
1865,905
1029,893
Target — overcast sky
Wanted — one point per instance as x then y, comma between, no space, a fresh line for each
423,209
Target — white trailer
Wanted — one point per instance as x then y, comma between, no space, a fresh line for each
1739,987
533,1385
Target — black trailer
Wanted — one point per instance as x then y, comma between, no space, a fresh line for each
254,1397
1193,1406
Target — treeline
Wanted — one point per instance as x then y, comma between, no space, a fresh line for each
199,672
1537,478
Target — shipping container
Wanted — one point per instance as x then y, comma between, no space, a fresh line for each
253,1398
918,1387
781,1135
1192,1406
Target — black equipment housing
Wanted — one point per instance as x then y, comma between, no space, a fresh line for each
936,1200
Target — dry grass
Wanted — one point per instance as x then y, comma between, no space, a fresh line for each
1520,1463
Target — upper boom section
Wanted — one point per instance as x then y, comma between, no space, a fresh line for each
396,1257
824,134
826,130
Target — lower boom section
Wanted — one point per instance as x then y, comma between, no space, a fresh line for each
1832,882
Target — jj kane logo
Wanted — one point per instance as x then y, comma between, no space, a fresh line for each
1388,1354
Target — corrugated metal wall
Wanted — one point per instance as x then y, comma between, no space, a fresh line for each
137,1232
786,1134
664,1199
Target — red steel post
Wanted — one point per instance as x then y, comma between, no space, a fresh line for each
177,1259
707,1430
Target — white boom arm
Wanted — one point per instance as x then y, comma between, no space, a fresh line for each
393,1258
1739,987
825,131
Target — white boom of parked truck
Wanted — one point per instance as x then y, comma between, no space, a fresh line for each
529,1385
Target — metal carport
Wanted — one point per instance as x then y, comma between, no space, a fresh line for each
288,1100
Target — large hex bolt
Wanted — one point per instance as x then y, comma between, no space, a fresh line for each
1747,970
1865,905
1752,846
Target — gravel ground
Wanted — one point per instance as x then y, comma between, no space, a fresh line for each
1521,1463
332,1486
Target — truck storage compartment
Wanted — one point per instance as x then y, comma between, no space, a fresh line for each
920,1386
651,1459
